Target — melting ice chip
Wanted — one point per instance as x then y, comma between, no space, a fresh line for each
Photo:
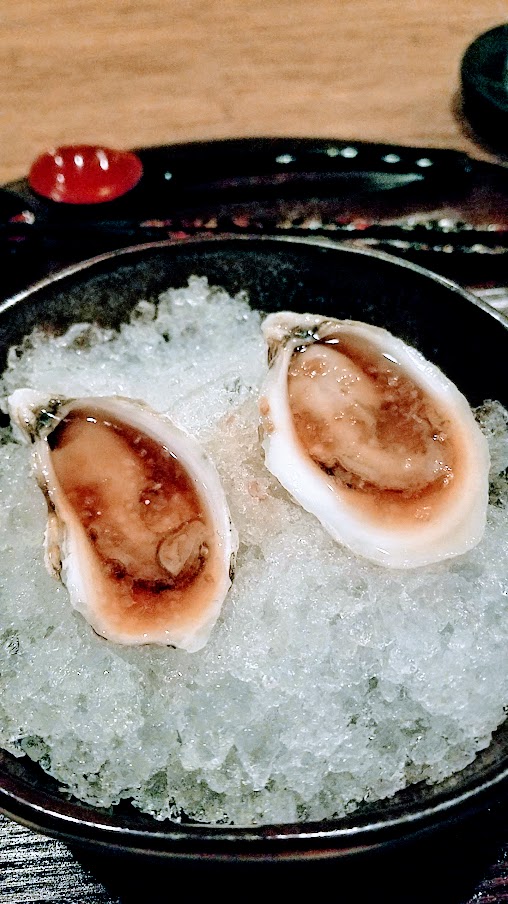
139,529
373,439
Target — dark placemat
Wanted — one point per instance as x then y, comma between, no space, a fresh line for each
34,868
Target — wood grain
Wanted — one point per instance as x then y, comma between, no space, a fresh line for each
131,74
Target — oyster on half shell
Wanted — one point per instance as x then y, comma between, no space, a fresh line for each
138,529
372,439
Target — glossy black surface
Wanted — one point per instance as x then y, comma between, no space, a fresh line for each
179,177
423,309
288,186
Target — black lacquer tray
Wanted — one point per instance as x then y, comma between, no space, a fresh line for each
437,209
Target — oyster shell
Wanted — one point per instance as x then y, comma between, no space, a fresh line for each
139,529
372,439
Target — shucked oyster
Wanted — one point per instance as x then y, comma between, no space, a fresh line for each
373,439
138,529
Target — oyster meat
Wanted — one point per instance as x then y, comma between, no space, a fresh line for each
372,439
139,529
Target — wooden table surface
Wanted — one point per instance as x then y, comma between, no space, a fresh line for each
153,72
129,74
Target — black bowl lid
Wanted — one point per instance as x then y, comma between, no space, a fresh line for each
484,76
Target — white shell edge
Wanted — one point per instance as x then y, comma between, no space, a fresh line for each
464,523
78,571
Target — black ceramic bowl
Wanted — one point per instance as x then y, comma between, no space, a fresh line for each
449,327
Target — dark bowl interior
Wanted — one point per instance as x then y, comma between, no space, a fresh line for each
449,327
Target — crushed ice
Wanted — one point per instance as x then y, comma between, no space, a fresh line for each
339,683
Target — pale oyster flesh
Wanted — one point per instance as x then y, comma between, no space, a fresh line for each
138,529
373,439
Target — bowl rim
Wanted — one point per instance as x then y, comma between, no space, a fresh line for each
41,810
220,238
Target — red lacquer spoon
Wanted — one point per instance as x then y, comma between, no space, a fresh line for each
84,174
